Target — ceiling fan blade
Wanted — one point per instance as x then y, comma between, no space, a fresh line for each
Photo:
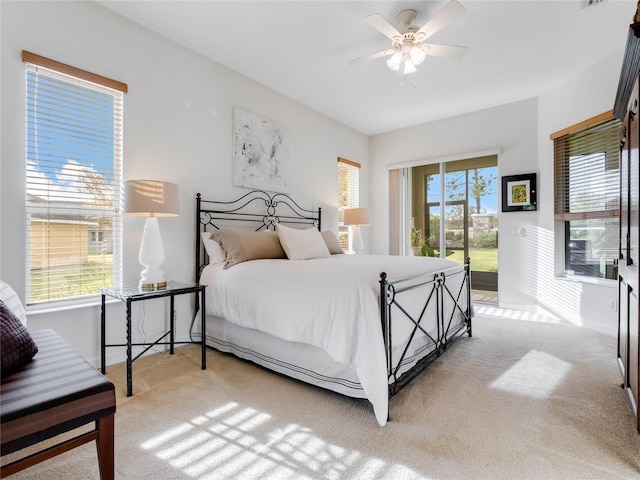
446,15
378,22
444,51
373,56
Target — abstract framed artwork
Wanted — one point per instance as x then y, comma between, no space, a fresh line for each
519,193
261,152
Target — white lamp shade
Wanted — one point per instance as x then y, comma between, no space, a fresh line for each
409,67
151,198
356,216
394,62
417,55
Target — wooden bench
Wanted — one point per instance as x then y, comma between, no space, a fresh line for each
58,391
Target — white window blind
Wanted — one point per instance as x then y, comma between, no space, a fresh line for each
587,169
587,195
73,181
348,197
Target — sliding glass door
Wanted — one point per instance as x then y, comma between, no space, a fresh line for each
454,213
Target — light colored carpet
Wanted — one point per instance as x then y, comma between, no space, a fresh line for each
519,400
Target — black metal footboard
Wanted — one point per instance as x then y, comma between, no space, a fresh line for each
445,295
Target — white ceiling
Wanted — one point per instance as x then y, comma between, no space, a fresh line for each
517,49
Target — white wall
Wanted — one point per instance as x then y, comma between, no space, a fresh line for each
526,264
177,127
590,93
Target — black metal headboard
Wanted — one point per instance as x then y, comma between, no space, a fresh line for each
256,209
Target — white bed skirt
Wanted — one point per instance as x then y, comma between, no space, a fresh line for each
303,362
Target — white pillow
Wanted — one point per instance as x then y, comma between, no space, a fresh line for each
333,244
12,301
213,248
301,244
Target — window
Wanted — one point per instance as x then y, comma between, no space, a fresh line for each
348,197
97,236
73,180
587,195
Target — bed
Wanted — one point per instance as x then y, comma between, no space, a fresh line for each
360,325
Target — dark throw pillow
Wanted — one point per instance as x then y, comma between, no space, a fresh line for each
17,348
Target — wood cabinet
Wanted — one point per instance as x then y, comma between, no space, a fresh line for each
626,109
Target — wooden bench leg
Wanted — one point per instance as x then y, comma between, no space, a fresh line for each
47,453
104,444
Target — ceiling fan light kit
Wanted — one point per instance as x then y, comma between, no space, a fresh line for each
402,62
407,48
417,55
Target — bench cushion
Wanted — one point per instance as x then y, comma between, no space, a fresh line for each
54,393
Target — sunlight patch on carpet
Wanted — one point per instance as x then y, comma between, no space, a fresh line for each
234,441
495,311
535,375
166,436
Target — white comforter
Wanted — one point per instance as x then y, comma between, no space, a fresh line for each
331,303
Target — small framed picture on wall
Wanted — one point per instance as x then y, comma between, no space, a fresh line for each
519,193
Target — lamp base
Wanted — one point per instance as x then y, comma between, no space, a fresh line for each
152,286
358,244
151,256
152,278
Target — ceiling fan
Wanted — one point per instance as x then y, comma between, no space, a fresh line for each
408,48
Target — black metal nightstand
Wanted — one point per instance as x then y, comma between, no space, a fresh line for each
135,294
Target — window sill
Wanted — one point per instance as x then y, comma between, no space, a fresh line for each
66,305
601,282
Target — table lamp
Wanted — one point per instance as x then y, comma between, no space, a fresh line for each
357,217
151,199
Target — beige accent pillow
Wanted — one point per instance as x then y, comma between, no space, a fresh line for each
333,244
302,244
243,245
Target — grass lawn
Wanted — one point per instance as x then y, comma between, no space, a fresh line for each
72,280
482,259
